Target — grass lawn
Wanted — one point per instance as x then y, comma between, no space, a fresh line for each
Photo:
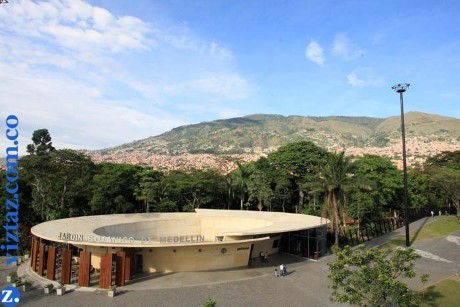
444,293
440,227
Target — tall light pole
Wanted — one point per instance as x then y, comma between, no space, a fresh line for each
401,88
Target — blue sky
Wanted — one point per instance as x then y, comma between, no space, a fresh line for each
102,73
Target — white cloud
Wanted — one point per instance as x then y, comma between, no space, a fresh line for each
314,52
220,52
345,48
367,78
84,73
182,39
153,91
355,81
227,86
75,114
75,25
229,113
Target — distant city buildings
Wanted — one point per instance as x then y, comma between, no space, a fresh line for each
418,149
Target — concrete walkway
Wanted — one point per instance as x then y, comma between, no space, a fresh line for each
306,285
190,279
440,257
413,227
181,279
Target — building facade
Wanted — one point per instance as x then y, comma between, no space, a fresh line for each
112,248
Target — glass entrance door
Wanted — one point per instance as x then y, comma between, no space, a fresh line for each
138,263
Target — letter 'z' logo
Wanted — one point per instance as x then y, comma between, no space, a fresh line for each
10,296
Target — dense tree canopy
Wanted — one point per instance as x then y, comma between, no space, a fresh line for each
196,189
448,159
373,277
302,159
444,173
301,162
149,188
114,189
298,177
380,189
260,184
60,183
420,189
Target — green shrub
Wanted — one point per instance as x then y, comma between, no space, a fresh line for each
210,303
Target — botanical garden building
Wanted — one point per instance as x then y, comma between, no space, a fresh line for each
112,248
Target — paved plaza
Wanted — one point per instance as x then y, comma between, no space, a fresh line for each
306,284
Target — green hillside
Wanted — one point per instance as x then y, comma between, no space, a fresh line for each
261,133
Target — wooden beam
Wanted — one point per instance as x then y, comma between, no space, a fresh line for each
51,263
105,279
41,259
66,266
128,259
120,269
33,260
84,269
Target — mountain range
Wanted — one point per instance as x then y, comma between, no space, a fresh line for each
218,144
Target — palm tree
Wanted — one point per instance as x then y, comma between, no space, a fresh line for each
242,176
334,179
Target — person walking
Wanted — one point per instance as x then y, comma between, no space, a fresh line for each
275,273
282,270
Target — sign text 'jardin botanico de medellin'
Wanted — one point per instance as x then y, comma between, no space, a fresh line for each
67,236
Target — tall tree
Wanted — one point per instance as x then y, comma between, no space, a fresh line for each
259,188
147,191
282,189
386,180
42,144
241,177
301,162
335,177
207,189
226,164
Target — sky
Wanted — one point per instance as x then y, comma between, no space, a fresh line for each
102,73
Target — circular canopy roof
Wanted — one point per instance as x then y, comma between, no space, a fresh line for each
205,226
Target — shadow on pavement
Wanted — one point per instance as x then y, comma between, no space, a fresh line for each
147,276
430,296
123,292
276,260
418,230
